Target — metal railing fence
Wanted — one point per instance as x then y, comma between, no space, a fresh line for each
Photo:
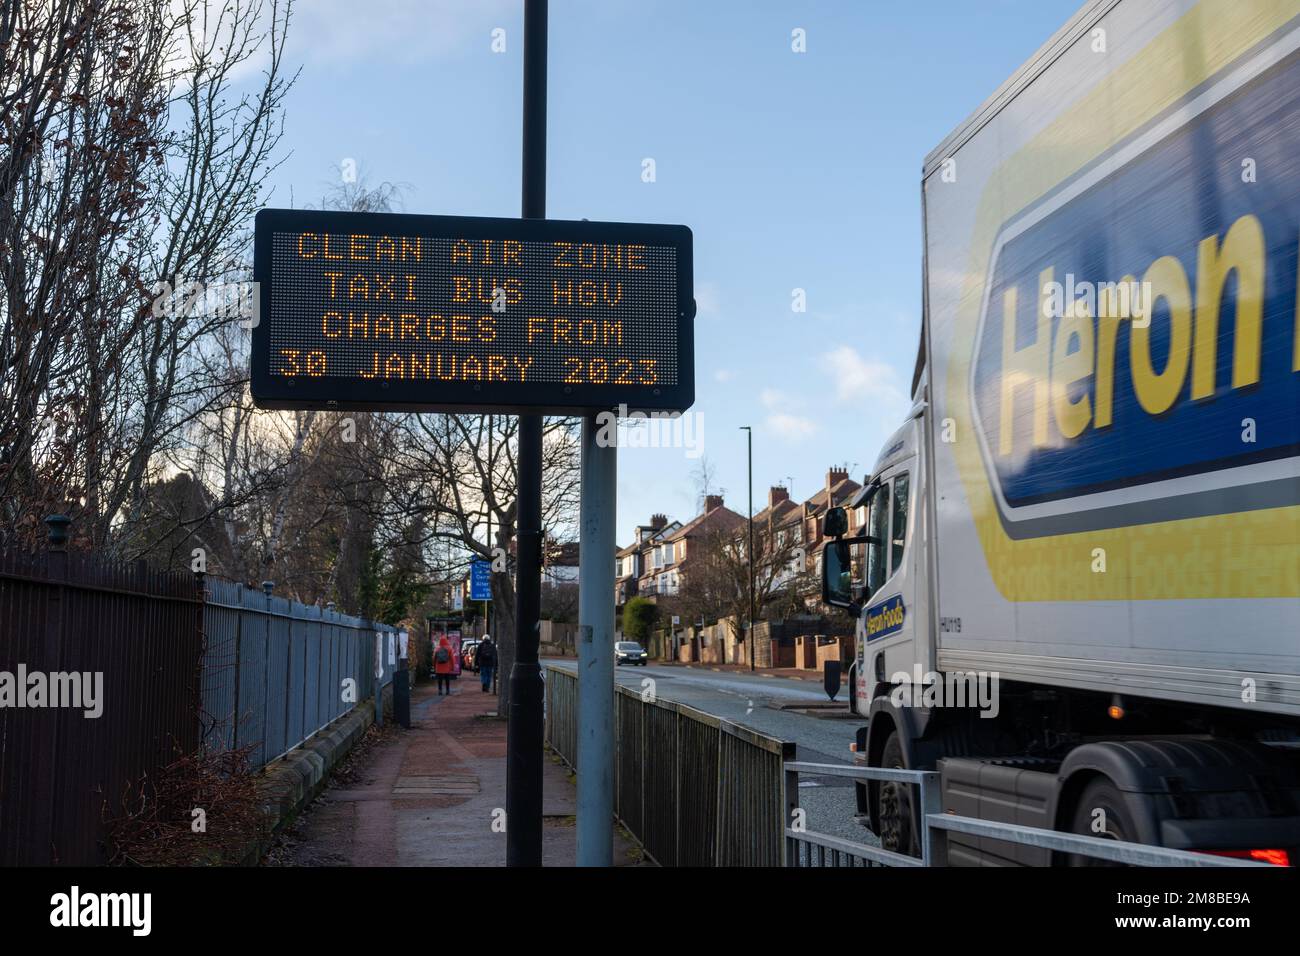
805,848
694,789
173,661
697,790
117,650
276,671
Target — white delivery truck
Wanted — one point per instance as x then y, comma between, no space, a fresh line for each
1077,586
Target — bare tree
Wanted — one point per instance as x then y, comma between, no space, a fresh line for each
83,92
715,582
705,478
129,169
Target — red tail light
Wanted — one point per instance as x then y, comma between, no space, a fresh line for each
1273,857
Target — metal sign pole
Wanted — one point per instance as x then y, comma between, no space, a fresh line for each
596,550
524,731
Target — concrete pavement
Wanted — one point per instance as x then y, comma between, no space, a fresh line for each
433,796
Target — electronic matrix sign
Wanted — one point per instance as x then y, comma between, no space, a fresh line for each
379,311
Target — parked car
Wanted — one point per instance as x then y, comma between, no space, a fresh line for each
629,652
467,650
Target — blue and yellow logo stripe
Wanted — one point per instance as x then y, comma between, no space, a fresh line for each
1086,402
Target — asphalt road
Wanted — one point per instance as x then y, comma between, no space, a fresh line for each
745,699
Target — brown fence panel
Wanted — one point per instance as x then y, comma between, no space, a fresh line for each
24,600
169,661
122,644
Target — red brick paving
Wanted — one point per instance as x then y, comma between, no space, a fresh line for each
455,743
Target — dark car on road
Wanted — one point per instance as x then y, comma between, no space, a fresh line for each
629,652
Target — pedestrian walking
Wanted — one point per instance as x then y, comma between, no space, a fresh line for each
485,658
443,666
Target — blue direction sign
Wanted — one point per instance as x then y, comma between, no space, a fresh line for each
480,581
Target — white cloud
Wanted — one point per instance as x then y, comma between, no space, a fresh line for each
784,421
403,30
792,427
724,375
859,380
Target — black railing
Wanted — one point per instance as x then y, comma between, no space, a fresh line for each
141,667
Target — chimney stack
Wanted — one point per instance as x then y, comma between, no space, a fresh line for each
658,521
777,494
712,502
833,477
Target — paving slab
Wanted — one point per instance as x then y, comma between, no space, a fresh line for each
434,795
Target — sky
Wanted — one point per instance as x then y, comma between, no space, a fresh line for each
793,170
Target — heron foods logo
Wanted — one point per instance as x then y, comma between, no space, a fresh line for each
1138,352
885,618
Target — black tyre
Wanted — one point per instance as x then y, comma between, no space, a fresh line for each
1101,812
897,832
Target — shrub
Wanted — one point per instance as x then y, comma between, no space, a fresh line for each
638,618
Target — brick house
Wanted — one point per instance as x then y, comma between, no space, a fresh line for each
633,565
778,526
671,557
654,563
839,490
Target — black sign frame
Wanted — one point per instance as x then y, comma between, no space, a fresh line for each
547,398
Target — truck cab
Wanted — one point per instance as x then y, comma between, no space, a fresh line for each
885,583
881,576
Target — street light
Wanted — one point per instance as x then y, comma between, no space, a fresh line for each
749,440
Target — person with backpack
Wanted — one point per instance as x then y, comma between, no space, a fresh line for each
485,658
443,666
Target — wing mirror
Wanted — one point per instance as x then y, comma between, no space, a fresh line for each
836,523
837,576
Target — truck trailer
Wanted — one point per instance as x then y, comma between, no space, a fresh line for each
1076,569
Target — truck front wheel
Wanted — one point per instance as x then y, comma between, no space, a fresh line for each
1101,812
896,831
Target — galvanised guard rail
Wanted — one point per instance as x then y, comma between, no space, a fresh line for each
694,789
276,671
697,790
804,848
